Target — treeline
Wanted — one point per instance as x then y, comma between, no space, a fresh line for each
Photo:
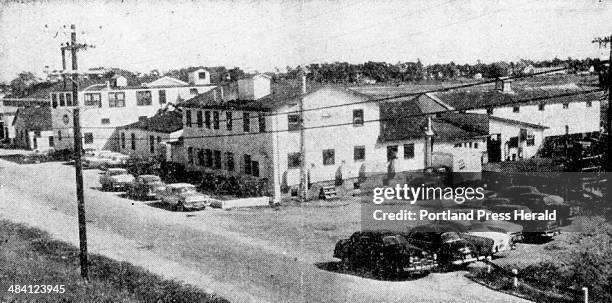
369,72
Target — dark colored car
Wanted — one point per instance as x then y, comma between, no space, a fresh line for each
449,247
532,229
146,187
539,203
513,192
385,252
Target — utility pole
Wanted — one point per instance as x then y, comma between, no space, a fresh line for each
303,184
78,148
608,83
64,63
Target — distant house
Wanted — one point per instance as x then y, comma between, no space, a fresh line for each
110,105
33,128
150,137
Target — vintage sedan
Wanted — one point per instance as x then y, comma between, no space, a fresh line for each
513,192
540,202
532,229
384,252
116,178
449,247
183,196
146,187
105,160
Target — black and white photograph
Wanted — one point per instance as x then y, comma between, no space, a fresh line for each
305,151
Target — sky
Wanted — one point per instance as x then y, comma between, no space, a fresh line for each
265,35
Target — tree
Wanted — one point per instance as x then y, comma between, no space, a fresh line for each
20,85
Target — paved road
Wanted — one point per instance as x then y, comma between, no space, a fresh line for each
195,248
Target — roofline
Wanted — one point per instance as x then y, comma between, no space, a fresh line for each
518,122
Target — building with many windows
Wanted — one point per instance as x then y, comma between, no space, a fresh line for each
107,106
150,137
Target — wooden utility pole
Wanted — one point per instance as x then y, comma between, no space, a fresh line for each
78,149
608,79
303,183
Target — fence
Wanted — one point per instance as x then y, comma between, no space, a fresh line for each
519,283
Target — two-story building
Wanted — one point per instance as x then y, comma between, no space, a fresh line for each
258,134
106,106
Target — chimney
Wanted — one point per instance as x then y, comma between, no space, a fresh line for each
503,85
428,143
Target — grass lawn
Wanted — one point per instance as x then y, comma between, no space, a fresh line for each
29,256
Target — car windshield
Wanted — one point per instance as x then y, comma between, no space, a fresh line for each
185,190
394,240
450,237
117,172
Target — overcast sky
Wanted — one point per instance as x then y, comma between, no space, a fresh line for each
262,35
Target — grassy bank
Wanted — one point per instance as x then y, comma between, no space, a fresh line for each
29,256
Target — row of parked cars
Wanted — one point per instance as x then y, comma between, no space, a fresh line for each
451,243
178,196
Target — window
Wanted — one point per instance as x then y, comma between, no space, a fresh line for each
69,99
199,118
133,141
565,105
91,99
193,91
51,142
59,135
143,97
158,139
116,99
62,99
207,119
516,109
293,160
359,153
530,140
89,139
475,144
490,110
262,123
202,75
513,142
255,168
217,159
294,122
409,151
152,144
188,118
329,157
247,164
228,118
391,152
54,100
358,117
470,144
215,120
246,122
209,158
190,155
201,158
105,121
230,161
37,133
162,96
541,106
457,145
122,140
589,103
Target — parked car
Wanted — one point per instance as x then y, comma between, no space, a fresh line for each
513,192
384,252
504,234
539,202
97,158
449,247
532,229
485,243
513,230
146,187
184,196
116,178
485,203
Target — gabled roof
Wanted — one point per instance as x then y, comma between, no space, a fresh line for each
163,122
549,94
166,81
34,118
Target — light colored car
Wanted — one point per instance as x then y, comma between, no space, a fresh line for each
501,241
116,178
184,196
105,159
